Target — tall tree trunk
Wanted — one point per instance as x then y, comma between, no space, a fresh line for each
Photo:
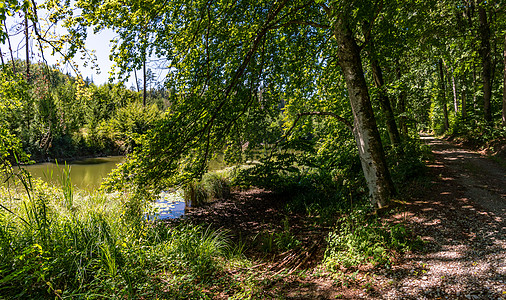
27,49
484,33
455,97
365,130
443,95
136,81
402,106
504,87
393,132
454,88
144,89
10,48
2,57
474,87
464,105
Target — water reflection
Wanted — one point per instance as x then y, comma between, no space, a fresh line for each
86,174
169,205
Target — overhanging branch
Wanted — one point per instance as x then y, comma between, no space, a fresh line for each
315,113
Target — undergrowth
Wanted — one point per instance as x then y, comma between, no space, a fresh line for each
361,238
58,244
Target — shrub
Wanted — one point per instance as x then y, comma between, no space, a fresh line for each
212,186
195,194
361,239
407,160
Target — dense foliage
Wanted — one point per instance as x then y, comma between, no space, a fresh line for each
319,101
56,116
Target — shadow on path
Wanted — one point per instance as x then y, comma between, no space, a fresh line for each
461,215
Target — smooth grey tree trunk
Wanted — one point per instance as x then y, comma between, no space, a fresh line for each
365,130
455,97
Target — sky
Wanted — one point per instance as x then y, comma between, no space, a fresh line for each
100,43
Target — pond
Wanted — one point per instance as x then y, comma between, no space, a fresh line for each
88,174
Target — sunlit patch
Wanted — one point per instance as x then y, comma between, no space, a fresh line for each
433,222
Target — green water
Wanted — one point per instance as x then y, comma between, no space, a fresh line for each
85,174
89,173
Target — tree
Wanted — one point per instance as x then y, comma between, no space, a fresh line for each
365,129
486,59
229,61
504,86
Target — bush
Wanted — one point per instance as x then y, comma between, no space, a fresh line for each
407,160
362,239
195,194
216,185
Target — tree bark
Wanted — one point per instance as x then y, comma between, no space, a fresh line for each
2,57
464,106
144,88
484,33
365,130
443,95
455,97
402,106
504,87
474,87
10,48
27,49
454,88
136,81
393,131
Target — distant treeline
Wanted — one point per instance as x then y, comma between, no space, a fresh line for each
55,115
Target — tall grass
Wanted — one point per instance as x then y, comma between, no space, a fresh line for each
212,186
65,243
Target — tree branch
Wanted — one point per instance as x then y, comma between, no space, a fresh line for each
301,22
367,34
314,113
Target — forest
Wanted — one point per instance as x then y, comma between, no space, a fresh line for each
361,147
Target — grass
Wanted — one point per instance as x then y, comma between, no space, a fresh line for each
64,243
213,186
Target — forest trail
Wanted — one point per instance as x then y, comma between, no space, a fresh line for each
459,211
462,216
484,179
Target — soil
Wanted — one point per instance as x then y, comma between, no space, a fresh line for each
460,213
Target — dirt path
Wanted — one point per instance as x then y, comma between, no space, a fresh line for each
462,216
